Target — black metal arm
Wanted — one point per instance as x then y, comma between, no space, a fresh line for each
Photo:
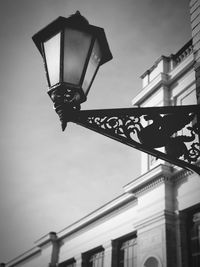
173,129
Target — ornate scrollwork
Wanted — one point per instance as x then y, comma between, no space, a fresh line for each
149,129
157,134
65,100
123,126
194,152
61,96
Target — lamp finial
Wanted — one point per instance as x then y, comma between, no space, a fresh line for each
78,19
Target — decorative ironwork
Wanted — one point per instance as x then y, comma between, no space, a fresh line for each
174,130
65,100
62,95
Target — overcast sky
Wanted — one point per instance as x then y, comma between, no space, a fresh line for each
50,179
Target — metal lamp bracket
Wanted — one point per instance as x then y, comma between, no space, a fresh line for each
174,130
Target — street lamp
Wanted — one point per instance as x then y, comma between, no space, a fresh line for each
73,50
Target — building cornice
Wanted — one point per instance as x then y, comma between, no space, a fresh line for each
181,174
155,65
97,214
148,180
49,238
184,60
160,80
181,68
45,240
151,179
156,176
23,257
177,58
160,216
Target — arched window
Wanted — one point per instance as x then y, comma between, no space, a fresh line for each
151,262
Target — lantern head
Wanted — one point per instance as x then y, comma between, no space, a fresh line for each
72,50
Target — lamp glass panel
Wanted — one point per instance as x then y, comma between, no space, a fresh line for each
52,53
93,64
76,47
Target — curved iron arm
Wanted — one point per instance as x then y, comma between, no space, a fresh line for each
174,130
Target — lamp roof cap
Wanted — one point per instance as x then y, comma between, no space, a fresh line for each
78,22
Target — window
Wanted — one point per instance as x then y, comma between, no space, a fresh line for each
124,252
195,240
190,236
151,262
127,253
96,260
68,263
93,258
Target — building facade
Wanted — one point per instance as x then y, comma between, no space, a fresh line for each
156,221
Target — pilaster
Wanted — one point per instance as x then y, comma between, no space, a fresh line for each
55,250
156,239
78,260
107,254
50,246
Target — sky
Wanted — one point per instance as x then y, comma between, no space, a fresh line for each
49,178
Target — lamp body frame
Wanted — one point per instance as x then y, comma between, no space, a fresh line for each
60,26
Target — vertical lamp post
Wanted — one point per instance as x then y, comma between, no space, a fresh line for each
72,51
